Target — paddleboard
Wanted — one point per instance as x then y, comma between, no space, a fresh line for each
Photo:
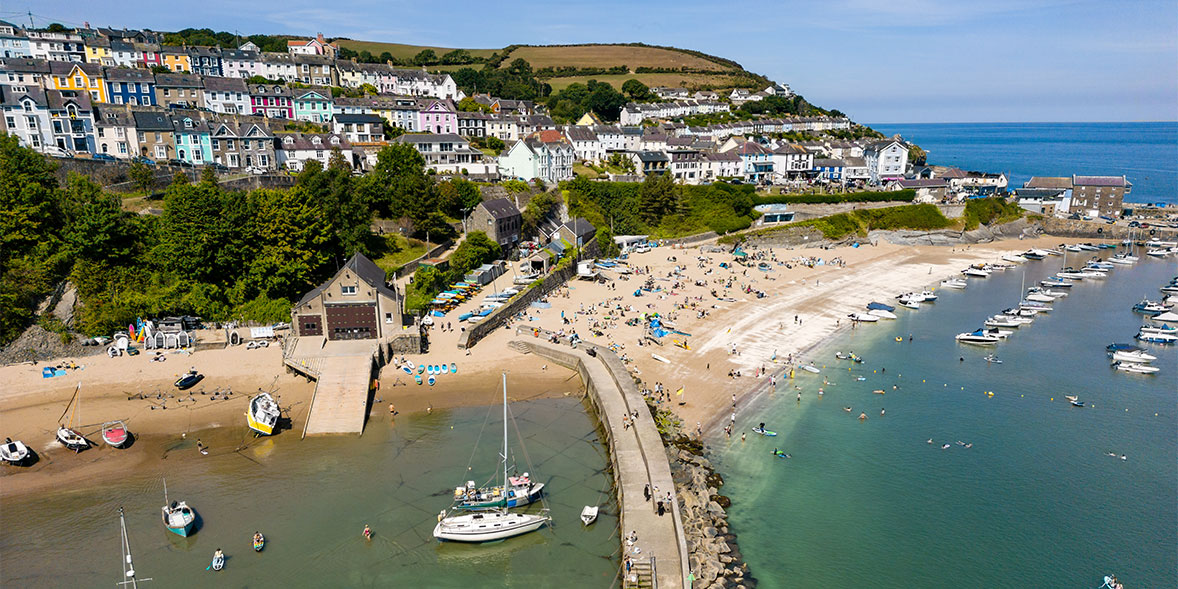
417,378
445,369
660,358
432,380
765,432
259,544
218,563
809,368
453,367
407,369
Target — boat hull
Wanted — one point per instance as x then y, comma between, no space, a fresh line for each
258,426
513,498
487,527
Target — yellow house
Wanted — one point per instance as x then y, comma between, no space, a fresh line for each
176,59
83,77
98,51
588,119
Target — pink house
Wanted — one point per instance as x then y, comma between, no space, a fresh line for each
437,115
150,55
271,101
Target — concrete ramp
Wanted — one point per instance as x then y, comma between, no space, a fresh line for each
341,395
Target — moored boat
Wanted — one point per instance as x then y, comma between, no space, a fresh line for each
1135,367
486,526
178,517
115,434
863,317
263,414
882,313
979,337
66,434
15,453
589,514
1136,355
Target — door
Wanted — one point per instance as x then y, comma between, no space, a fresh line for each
351,321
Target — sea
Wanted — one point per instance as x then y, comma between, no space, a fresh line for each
312,499
1035,500
1145,153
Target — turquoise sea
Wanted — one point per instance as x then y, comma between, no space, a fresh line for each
1146,153
1035,502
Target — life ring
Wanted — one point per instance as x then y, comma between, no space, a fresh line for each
1100,229
1152,231
234,339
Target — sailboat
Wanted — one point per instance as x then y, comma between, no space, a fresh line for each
66,434
263,414
178,516
128,566
520,490
495,524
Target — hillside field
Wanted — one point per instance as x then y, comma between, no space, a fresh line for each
651,80
609,56
401,51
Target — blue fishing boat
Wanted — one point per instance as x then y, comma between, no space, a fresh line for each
874,306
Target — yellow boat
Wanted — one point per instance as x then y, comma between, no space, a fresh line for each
263,414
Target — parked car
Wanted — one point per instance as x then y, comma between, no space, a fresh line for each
143,160
219,167
103,157
179,162
1134,224
256,170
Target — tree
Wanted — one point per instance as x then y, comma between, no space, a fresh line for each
657,197
456,57
469,104
56,28
474,251
142,175
495,144
387,57
391,131
605,101
636,90
96,226
369,89
425,57
398,186
160,69
606,245
208,174
290,235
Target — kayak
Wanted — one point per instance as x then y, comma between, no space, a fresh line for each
811,368
764,432
453,368
259,543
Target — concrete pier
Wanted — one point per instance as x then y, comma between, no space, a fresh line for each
343,376
638,459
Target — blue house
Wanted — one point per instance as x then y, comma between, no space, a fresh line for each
130,86
829,169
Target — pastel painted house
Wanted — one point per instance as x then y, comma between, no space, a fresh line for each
193,139
438,116
313,104
176,59
271,101
71,118
80,77
226,95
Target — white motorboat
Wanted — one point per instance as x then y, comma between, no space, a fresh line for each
1037,307
863,317
1005,322
1159,329
1070,275
486,526
928,296
15,453
1167,317
1118,259
1157,338
1051,252
1016,258
1137,355
1073,248
1087,247
1055,282
909,303
589,514
1016,319
1157,253
975,272
1135,367
1039,297
953,283
998,333
1087,272
1098,264
882,313
979,337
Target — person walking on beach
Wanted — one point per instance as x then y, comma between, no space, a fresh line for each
646,491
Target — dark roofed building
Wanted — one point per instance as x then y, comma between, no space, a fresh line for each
577,231
355,303
499,219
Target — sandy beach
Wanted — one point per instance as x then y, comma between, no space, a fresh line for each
762,331
733,332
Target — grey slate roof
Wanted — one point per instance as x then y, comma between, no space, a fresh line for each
151,120
126,74
358,119
365,269
500,208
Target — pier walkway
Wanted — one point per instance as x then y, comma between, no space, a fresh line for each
638,457
343,374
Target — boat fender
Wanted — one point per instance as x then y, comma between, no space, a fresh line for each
1152,231
1100,229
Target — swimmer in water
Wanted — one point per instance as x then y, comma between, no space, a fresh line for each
848,410
862,417
930,440
945,447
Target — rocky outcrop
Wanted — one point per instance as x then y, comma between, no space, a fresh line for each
713,553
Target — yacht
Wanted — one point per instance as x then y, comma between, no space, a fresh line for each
1070,274
863,317
1000,321
1016,258
1135,367
928,296
1073,248
1017,319
953,283
976,272
1157,338
1034,306
1055,282
979,337
1039,296
1148,307
1132,355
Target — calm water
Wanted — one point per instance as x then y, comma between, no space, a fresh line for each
313,498
1034,503
1147,153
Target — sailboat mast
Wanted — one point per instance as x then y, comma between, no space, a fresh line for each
128,567
504,433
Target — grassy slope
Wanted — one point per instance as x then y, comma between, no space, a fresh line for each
401,51
608,56
651,80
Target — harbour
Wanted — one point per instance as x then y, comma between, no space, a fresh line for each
980,467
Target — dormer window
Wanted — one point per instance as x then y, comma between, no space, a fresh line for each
287,140
316,141
187,123
335,140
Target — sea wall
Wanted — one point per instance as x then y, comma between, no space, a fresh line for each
520,302
637,456
714,553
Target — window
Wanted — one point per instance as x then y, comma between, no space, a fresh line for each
348,290
57,128
78,83
167,92
123,147
11,122
388,317
230,144
245,143
216,144
141,137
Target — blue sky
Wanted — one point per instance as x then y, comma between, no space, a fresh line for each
879,61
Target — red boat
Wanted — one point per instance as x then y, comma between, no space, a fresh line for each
115,434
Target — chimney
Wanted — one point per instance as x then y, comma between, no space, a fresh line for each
319,37
86,24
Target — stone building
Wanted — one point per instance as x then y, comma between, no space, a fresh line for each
356,303
500,219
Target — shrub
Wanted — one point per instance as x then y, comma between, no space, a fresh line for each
984,211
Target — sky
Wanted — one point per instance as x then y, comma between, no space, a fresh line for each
883,61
